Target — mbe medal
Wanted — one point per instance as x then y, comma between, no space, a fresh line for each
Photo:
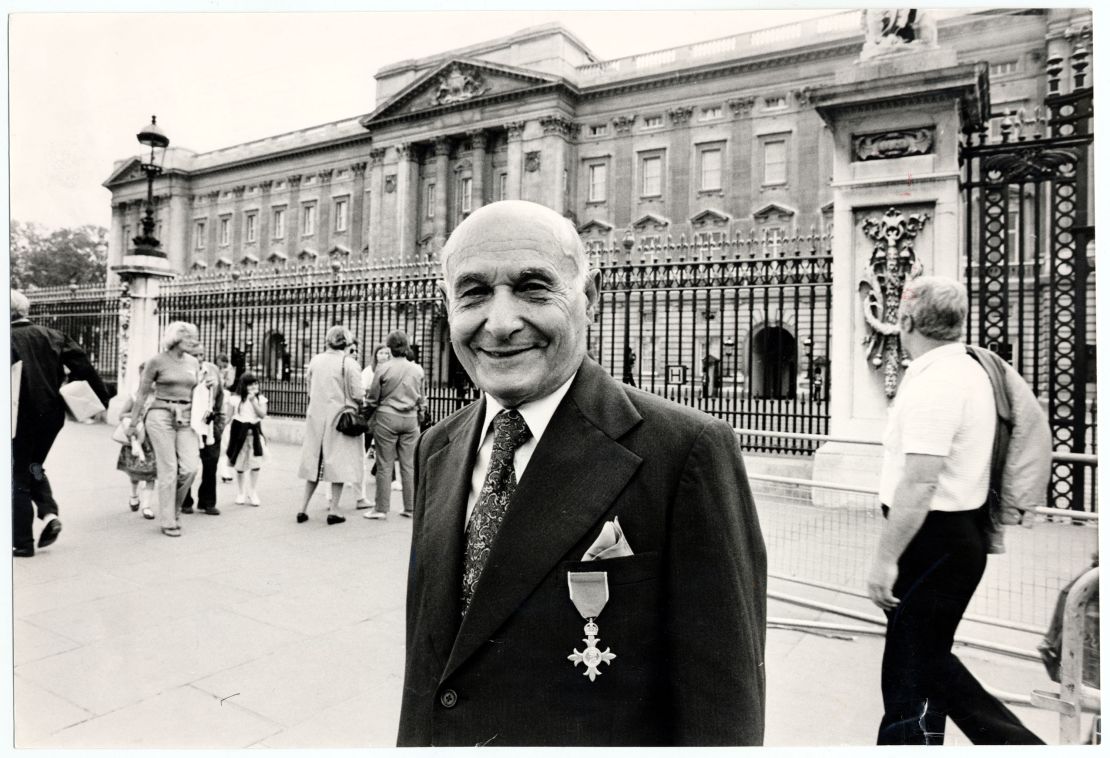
589,591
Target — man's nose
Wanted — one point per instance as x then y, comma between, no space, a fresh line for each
503,318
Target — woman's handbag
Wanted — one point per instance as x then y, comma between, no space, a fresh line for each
350,421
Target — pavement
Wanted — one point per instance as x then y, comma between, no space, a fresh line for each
254,631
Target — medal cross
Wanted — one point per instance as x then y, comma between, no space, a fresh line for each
591,657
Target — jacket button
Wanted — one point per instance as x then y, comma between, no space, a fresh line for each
448,698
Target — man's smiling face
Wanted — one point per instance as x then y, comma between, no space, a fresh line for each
517,304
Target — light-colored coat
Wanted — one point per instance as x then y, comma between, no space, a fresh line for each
327,396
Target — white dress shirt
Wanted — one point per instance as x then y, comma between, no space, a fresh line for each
537,414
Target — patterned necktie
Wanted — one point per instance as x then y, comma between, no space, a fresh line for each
510,432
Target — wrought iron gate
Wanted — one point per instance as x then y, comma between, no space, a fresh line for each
1027,181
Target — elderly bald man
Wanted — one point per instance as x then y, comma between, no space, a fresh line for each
587,566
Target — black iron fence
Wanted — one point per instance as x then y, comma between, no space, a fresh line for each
728,329
88,314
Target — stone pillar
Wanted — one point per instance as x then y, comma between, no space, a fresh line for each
264,213
323,212
895,120
406,201
442,150
358,192
176,229
677,163
237,246
556,130
515,159
139,331
478,160
293,218
375,230
622,191
117,245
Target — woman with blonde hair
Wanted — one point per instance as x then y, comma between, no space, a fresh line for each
170,377
334,383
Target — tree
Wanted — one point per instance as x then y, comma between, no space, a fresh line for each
48,259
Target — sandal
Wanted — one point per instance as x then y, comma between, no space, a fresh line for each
148,513
171,531
134,503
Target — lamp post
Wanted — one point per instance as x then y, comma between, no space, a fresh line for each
152,136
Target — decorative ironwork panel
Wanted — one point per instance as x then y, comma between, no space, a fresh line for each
89,315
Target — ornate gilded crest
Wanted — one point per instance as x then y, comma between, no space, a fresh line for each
457,84
893,144
893,263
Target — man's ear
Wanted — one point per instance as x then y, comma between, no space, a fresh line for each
441,285
593,287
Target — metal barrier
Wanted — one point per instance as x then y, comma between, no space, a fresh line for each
1079,641
831,547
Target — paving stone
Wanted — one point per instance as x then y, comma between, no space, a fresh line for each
39,713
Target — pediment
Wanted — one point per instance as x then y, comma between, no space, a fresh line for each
129,171
709,217
650,220
595,225
774,211
459,82
339,250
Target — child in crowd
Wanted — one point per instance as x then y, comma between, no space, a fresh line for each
136,457
246,446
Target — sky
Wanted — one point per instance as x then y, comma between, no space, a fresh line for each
81,85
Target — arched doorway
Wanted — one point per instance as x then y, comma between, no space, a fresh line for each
774,363
275,357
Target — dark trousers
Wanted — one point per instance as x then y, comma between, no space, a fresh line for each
922,681
206,493
30,487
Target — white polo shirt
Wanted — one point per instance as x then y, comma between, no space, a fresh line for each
944,407
537,414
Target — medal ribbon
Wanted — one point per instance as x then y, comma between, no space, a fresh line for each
589,591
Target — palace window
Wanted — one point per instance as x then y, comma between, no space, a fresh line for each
653,122
710,114
341,205
709,169
774,161
651,176
198,234
599,130
308,220
597,174
252,227
775,103
279,223
430,200
1004,67
502,186
466,190
225,230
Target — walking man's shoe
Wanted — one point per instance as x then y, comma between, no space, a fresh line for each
210,510
50,532
23,552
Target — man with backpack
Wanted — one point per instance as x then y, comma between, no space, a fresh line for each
936,476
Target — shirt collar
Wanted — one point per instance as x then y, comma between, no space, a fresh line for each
537,413
922,362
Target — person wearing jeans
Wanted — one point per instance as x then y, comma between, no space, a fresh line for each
397,396
171,376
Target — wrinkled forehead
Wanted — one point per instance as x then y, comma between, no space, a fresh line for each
510,238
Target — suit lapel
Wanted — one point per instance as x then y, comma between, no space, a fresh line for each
443,541
575,473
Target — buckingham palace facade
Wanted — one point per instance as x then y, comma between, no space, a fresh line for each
691,143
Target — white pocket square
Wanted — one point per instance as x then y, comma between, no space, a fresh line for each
611,543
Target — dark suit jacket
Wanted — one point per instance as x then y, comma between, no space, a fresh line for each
686,614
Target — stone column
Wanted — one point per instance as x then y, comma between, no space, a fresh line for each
323,212
358,192
478,160
677,163
623,190
895,120
406,201
442,150
293,218
515,159
237,246
264,212
117,245
375,231
556,131
213,199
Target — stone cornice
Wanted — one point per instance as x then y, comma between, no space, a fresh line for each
477,102
557,125
846,49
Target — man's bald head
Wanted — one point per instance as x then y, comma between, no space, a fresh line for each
510,225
